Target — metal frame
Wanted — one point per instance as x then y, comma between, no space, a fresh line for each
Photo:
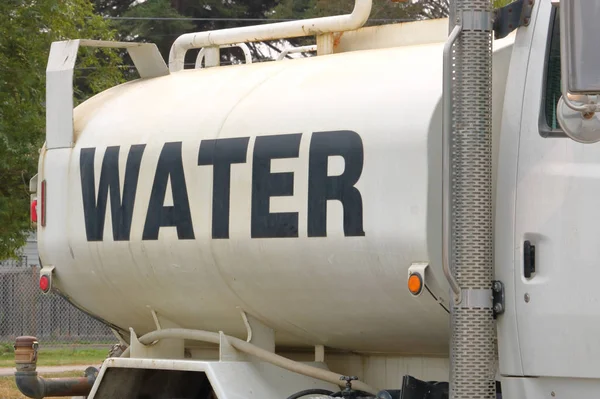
512,16
59,82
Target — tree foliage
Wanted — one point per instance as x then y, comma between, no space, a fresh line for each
162,31
383,11
162,21
27,28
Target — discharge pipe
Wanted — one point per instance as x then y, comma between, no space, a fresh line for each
280,30
36,387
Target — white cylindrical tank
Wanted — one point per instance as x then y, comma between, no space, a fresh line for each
299,192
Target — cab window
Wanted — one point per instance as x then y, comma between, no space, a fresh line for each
549,126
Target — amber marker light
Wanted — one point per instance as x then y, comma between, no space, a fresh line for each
415,284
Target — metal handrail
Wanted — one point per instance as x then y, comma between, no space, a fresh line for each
242,46
281,30
447,105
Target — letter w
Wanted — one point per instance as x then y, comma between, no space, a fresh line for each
121,210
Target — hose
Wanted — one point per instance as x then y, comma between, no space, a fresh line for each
310,392
251,349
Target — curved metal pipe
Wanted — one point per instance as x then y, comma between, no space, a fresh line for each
447,172
33,386
243,46
36,387
306,27
294,50
251,349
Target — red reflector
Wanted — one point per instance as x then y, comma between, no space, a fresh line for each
44,283
34,211
43,204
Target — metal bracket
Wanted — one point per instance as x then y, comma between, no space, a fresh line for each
47,271
476,298
419,269
33,183
430,283
512,16
227,353
170,348
319,353
498,297
476,20
325,44
259,334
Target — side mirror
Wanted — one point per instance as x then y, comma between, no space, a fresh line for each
578,107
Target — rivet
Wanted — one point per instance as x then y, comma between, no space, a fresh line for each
498,308
552,394
527,298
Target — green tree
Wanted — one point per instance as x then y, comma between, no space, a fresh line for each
219,14
383,11
154,21
112,7
27,28
162,21
162,32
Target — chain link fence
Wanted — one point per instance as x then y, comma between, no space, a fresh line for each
24,310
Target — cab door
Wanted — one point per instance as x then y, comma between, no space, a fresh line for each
556,226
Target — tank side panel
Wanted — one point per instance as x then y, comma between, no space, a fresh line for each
341,280
343,289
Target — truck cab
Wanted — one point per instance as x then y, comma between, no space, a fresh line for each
544,231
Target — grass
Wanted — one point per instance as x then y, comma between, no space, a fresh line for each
502,3
60,357
8,389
